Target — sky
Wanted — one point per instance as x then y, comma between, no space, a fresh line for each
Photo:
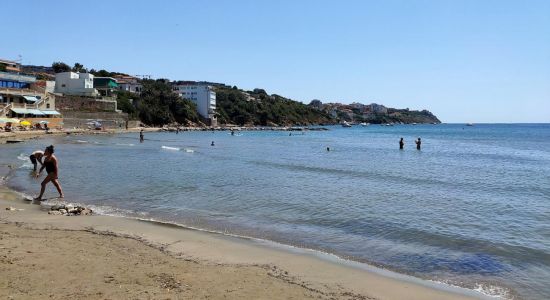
465,61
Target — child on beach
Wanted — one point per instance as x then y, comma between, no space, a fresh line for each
36,157
50,164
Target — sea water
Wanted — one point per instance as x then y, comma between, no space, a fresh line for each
471,209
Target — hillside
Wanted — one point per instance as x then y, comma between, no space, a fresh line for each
373,113
256,107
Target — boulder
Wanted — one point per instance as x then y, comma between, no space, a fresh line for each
62,211
54,212
86,212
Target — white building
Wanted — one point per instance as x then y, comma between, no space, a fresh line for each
77,84
203,96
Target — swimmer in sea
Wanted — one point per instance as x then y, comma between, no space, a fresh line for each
418,143
401,144
212,144
36,157
50,164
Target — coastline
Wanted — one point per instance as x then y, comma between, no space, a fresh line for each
282,271
34,134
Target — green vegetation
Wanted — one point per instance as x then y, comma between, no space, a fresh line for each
104,73
402,116
157,105
259,108
411,116
60,67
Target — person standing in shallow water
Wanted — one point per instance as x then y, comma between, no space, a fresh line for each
141,136
401,144
50,164
418,143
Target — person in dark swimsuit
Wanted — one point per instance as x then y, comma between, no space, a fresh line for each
418,143
401,143
50,164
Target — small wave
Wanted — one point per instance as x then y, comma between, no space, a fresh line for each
171,148
492,291
189,150
27,163
81,141
131,145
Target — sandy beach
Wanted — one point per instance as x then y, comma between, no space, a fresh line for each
33,134
103,257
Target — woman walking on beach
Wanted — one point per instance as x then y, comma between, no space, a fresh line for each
50,163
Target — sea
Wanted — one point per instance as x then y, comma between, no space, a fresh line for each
470,209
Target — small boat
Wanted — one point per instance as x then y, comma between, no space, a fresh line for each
346,124
470,124
365,124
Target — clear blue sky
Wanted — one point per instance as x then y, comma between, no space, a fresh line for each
466,61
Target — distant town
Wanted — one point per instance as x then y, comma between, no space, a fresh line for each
72,97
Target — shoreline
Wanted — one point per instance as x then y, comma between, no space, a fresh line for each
312,270
21,136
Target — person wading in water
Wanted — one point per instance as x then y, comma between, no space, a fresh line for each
50,164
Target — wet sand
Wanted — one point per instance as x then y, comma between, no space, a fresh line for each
103,257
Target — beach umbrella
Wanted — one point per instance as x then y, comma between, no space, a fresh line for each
25,123
44,122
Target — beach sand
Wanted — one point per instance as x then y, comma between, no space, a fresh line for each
33,134
103,257
60,264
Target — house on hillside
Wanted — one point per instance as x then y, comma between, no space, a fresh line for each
129,84
9,66
75,84
27,101
106,86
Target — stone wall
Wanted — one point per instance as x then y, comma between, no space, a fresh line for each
52,122
75,103
109,120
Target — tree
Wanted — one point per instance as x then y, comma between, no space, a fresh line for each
59,67
78,67
158,105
